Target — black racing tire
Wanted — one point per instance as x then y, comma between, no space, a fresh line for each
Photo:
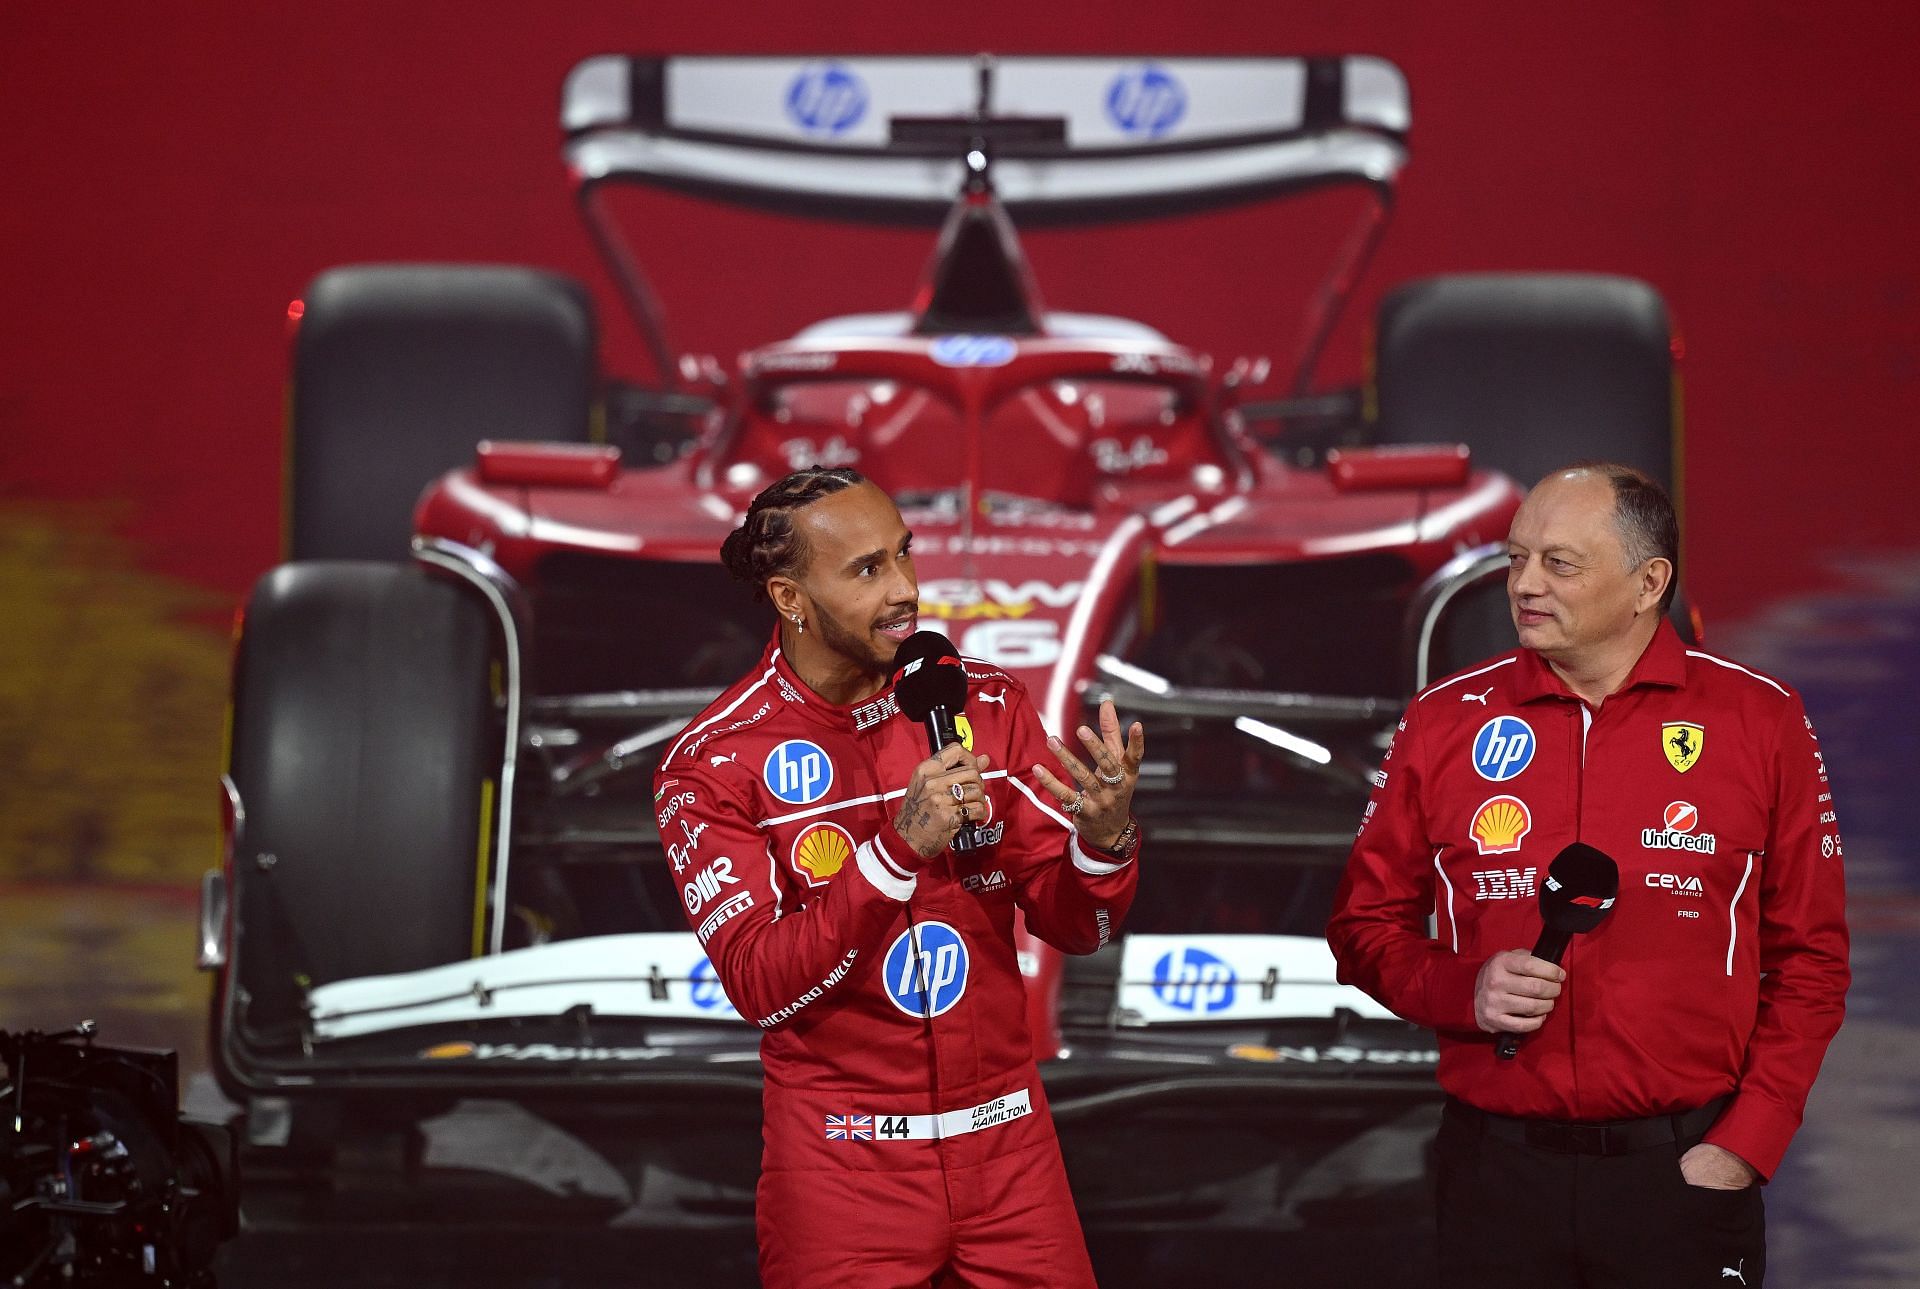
1476,625
400,369
366,749
1532,371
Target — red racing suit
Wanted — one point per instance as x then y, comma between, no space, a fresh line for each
905,1126
1723,965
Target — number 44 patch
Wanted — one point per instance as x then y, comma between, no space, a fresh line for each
865,1127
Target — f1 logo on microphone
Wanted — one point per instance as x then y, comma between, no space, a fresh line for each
1503,748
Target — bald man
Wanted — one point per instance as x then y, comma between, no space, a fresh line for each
1664,1062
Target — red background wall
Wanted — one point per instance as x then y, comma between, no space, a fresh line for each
171,176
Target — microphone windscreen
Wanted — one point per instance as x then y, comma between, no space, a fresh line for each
928,673
1580,888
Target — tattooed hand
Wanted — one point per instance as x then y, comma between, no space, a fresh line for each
932,812
1099,798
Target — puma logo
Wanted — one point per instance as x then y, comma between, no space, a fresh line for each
722,760
1736,1272
1480,698
1000,698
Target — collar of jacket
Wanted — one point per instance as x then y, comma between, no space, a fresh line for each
842,717
1663,663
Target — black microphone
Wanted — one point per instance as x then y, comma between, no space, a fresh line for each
930,684
1581,885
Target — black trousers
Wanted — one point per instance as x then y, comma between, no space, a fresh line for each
1517,1214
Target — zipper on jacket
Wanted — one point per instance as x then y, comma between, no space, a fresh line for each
1580,774
1579,834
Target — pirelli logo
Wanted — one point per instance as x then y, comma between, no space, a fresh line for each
726,910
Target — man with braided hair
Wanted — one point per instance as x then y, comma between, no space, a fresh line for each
907,1139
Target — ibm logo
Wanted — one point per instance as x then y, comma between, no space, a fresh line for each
1505,884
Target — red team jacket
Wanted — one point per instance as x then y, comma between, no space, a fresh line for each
1723,965
776,810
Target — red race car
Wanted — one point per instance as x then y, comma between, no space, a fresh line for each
443,871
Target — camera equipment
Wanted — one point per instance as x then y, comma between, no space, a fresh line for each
101,1180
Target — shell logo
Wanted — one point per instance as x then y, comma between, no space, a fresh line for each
821,851
448,1052
1500,824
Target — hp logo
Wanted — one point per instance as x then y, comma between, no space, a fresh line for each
798,772
926,969
1503,748
1146,101
973,351
1194,981
826,98
707,993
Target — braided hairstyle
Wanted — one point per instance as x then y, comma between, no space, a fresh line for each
767,544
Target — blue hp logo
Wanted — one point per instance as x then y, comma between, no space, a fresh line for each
1194,981
1146,101
707,993
926,969
798,772
826,98
1503,748
973,351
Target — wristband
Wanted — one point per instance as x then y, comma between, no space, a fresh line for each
1124,845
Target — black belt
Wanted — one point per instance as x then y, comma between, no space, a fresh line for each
1613,1137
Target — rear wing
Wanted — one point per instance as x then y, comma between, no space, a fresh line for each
1130,137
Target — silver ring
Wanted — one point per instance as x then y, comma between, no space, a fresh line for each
959,793
1111,780
1073,807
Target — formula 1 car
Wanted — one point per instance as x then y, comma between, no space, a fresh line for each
443,873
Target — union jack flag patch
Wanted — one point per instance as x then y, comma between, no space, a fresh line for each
849,1127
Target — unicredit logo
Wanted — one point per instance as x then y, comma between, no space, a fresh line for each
1676,831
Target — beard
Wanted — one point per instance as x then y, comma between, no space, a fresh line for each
856,647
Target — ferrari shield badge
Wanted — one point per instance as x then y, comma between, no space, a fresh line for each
1682,741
